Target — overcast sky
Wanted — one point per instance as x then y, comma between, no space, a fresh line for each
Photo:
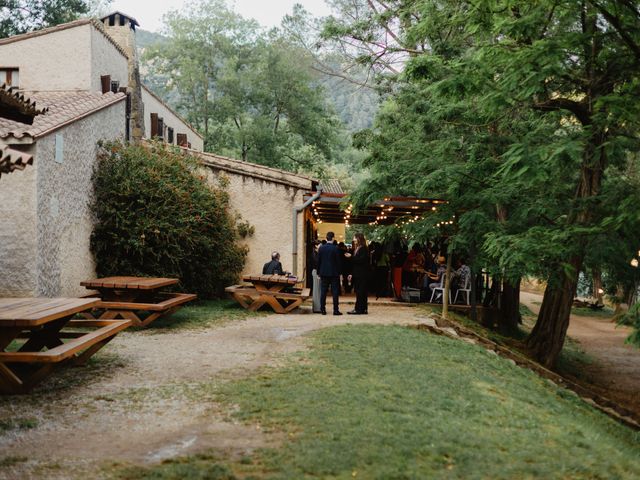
266,12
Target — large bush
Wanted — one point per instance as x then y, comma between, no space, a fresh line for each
157,216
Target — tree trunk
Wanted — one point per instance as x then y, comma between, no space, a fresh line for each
547,338
597,286
510,306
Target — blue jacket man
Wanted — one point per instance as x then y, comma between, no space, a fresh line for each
329,272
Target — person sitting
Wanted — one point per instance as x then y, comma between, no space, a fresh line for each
274,267
434,280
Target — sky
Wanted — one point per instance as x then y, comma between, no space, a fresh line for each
149,13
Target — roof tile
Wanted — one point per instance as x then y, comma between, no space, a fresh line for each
62,108
11,159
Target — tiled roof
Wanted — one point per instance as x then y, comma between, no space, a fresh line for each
118,12
260,172
64,26
13,99
331,186
62,108
11,159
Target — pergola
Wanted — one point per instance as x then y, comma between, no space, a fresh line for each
332,208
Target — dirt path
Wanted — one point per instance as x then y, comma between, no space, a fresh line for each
149,397
615,373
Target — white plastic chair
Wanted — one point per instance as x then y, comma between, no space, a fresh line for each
466,289
440,288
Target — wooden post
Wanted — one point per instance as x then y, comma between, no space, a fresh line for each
447,285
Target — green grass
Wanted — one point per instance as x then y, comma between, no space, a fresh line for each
8,424
201,314
387,402
606,312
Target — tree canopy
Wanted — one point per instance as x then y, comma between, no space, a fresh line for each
524,115
21,16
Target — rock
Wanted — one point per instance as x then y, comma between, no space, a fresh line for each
493,352
428,321
450,331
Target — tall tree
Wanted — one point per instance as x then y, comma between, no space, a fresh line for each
251,93
535,104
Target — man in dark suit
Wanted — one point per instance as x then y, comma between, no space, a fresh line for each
329,272
274,267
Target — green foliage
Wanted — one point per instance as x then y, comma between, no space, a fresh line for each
392,402
632,318
524,116
157,216
252,94
21,16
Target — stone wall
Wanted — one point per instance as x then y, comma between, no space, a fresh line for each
60,60
18,239
154,105
268,207
106,60
45,241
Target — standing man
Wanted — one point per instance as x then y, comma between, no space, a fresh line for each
329,272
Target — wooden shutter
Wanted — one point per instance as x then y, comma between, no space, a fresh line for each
182,140
105,81
154,125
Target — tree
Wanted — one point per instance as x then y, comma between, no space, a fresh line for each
189,233
21,16
530,106
251,93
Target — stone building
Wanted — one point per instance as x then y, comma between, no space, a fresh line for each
266,198
65,89
62,90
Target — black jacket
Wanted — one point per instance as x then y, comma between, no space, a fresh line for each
360,263
329,260
274,267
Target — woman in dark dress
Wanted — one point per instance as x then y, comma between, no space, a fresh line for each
360,272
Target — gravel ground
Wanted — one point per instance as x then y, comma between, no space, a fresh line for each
148,397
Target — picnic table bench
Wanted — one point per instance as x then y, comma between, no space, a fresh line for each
137,299
277,291
40,323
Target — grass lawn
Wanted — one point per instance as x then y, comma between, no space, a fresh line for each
201,314
388,402
605,312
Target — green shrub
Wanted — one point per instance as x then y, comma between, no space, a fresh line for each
157,216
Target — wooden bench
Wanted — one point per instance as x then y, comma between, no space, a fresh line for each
140,314
253,298
43,324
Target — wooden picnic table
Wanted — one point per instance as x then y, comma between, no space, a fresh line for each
137,299
277,291
40,323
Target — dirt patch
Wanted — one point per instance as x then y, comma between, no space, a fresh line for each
615,372
150,397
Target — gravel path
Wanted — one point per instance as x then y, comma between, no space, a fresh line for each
148,397
615,372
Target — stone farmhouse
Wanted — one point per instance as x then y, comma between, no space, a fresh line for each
62,90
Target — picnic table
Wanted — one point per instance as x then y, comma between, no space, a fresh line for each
277,291
137,299
43,323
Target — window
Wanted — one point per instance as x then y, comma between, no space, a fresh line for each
10,76
169,135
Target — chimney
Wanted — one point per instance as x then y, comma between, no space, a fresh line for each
122,28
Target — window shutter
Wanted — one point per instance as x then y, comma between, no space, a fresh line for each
105,80
154,125
182,140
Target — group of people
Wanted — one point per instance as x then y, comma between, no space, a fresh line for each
329,262
374,268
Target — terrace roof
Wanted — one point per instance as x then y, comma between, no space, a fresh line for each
332,208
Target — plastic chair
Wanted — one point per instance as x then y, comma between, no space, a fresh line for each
466,289
440,288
